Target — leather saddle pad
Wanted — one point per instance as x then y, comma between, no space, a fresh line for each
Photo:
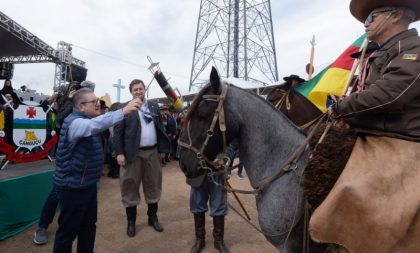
374,205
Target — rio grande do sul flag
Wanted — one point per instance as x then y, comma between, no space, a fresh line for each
331,80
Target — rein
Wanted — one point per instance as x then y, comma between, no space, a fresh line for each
290,164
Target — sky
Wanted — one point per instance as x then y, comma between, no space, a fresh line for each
115,37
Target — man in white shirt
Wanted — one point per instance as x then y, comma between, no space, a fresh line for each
137,142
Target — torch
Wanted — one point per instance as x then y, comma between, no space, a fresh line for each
166,87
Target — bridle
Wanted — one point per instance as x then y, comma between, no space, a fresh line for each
284,99
218,116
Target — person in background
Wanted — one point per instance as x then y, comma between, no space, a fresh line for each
114,168
205,192
8,89
170,127
232,153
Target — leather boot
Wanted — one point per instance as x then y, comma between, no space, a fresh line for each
131,220
200,232
153,219
218,232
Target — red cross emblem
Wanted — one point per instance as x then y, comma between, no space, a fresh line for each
31,112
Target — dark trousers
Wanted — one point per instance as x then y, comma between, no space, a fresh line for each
77,219
48,211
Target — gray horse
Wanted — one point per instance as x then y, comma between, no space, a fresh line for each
267,139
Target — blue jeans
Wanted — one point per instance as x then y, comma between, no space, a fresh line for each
49,209
77,219
212,193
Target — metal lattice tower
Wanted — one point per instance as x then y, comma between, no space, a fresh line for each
235,36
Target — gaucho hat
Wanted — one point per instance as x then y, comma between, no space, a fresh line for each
294,77
360,9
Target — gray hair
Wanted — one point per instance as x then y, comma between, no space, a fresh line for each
88,84
79,95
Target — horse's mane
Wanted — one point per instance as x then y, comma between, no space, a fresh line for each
200,94
194,104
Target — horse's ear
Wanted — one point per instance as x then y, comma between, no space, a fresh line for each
215,80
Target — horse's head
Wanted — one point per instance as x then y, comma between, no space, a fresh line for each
203,132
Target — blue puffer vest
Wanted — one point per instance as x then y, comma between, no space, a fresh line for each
78,162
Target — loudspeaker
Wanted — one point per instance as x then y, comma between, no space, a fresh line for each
6,70
77,74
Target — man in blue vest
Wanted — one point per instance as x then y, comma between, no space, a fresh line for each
79,162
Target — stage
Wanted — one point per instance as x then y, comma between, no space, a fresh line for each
23,190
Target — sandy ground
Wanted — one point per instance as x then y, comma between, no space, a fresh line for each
173,214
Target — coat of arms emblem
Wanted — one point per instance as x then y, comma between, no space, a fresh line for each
29,126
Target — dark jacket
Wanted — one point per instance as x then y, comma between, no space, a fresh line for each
79,162
390,104
127,133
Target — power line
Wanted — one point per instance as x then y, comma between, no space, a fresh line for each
124,61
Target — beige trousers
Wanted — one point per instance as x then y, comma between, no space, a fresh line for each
146,169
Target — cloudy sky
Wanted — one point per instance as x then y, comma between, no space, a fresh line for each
114,37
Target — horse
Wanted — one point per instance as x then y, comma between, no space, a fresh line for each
294,105
267,139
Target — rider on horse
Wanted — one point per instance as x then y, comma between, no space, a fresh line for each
382,172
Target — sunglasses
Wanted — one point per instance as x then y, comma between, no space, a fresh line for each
372,15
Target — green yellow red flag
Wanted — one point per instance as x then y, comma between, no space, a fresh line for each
333,79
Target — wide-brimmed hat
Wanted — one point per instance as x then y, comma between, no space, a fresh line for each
294,77
360,9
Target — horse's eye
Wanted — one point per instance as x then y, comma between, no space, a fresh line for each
203,110
203,114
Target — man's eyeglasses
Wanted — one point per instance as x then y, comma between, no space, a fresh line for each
95,102
372,15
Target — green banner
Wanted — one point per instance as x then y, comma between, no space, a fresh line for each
21,201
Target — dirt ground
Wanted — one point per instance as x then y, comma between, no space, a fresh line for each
173,214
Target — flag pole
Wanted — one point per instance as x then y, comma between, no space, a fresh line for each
356,65
311,60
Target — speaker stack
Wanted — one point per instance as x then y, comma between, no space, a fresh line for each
6,70
78,74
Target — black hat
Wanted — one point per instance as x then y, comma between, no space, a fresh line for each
294,77
372,46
